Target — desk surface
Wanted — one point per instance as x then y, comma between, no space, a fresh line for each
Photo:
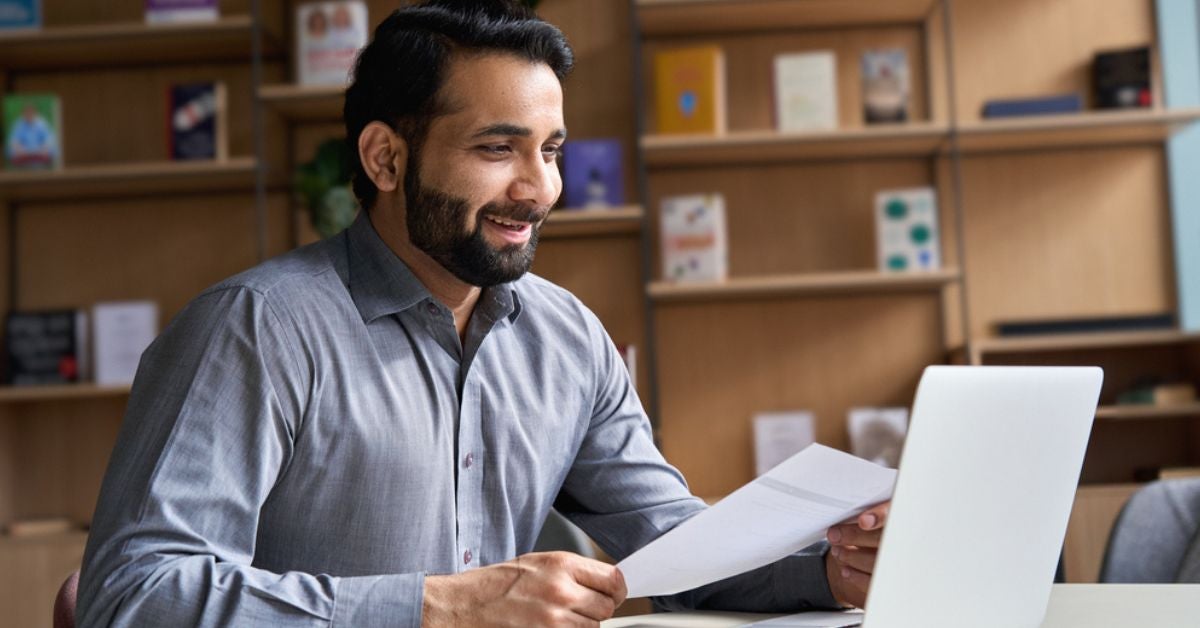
1071,606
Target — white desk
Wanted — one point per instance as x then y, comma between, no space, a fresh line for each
1071,606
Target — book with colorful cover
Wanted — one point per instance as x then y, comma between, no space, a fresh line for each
689,89
906,222
886,85
46,347
196,121
592,175
806,91
694,241
181,11
20,15
328,38
32,131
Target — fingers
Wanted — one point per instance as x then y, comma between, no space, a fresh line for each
875,517
593,574
859,559
849,534
854,585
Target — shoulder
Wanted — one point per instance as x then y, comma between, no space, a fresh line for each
303,270
547,302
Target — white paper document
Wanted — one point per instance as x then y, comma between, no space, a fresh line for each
780,513
843,619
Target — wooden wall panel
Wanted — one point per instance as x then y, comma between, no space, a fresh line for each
162,249
797,217
605,273
724,362
749,69
27,594
1095,509
1025,48
1067,234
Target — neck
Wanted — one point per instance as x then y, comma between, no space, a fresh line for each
458,296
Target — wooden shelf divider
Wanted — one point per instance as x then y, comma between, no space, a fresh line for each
18,394
53,47
1090,128
128,179
678,17
1081,342
807,284
565,223
1148,411
304,103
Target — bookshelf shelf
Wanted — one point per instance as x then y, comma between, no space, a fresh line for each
73,539
304,103
676,17
902,140
566,223
810,284
128,179
1093,128
1080,342
228,38
1140,412
18,394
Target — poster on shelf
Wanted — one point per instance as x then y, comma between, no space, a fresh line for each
328,38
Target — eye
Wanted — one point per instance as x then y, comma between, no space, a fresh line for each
495,150
552,152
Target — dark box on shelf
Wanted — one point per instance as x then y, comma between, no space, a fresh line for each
45,347
1047,105
1122,79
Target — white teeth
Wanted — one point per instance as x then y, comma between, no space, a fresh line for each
501,221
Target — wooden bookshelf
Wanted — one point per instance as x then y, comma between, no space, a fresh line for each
567,223
72,539
1092,128
18,394
1075,342
131,43
1134,412
808,284
304,103
676,17
128,179
894,140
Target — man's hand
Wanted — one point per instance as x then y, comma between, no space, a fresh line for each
851,559
546,589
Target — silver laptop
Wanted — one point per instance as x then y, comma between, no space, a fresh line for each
986,484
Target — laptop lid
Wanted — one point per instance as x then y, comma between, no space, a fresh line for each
986,484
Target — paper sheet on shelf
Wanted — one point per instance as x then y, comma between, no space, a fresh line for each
780,513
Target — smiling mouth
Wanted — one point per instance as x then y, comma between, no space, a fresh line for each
511,225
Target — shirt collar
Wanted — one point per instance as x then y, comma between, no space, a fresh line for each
382,284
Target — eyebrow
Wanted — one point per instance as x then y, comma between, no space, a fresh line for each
512,130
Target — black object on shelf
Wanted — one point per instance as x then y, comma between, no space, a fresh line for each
1099,324
1122,79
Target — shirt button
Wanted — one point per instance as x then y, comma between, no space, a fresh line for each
467,557
469,460
432,309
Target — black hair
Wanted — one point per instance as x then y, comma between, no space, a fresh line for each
399,73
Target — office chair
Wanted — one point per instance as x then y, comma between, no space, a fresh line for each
559,534
64,602
1156,537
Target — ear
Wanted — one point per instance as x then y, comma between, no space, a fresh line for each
383,154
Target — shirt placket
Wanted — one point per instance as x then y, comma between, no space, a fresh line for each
469,492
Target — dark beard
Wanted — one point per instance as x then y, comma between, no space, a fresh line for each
436,222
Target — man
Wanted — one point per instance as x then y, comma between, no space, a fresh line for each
310,439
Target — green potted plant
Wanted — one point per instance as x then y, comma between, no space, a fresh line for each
323,185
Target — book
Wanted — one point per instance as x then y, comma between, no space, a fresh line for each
19,15
328,38
693,238
39,526
779,435
877,434
689,90
122,331
46,347
196,117
806,91
32,131
906,230
180,11
1087,325
592,174
885,84
1048,105
1121,79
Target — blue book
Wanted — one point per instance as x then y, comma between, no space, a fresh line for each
1065,103
20,15
592,173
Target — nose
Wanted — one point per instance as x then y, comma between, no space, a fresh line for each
537,183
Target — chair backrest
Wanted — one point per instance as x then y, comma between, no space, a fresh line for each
1150,539
560,534
64,602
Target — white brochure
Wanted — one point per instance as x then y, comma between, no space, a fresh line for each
780,513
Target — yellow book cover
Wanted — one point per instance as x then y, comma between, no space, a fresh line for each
690,90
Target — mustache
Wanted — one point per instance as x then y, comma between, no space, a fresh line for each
516,212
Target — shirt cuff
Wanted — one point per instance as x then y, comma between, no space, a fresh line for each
803,575
392,601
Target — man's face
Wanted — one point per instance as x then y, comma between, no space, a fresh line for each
485,177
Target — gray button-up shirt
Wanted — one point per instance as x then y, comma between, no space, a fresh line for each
307,439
